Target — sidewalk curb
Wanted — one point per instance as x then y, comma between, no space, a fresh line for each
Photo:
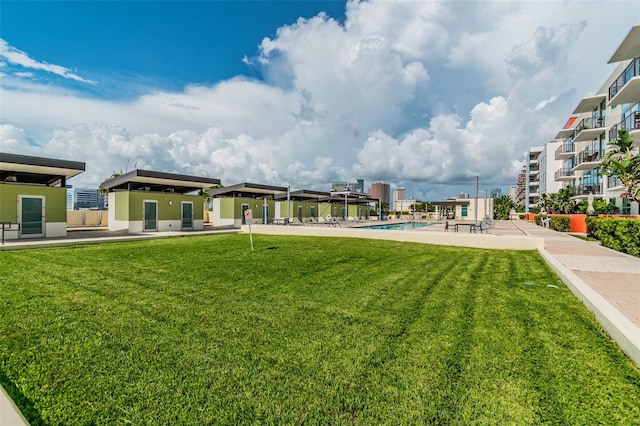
9,413
625,333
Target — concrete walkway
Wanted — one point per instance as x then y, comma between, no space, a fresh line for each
607,282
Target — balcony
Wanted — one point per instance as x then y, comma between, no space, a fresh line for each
631,123
564,175
587,160
614,183
626,88
586,189
589,103
565,151
589,129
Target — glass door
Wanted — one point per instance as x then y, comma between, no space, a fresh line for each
32,216
243,209
187,216
150,216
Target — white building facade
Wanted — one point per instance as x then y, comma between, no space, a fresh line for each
596,121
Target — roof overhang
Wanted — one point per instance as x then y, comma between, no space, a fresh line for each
564,133
450,203
568,128
149,180
37,170
306,194
247,189
589,103
629,48
351,197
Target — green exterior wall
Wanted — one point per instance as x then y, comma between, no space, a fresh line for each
129,205
231,208
226,208
121,205
55,201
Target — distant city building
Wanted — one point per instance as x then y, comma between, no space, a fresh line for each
340,185
381,191
354,185
399,194
83,199
513,193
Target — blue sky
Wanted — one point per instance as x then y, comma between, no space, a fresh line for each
424,95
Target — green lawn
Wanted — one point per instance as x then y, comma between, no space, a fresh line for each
201,330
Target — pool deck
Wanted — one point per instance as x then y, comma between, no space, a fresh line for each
606,281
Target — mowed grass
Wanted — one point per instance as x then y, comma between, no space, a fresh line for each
201,330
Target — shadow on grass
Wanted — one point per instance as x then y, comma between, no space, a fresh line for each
25,405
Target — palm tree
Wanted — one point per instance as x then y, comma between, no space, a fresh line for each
624,164
503,205
559,202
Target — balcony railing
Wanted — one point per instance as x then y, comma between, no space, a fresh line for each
586,189
630,123
589,123
567,148
588,156
565,172
632,70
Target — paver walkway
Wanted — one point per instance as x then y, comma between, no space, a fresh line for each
614,276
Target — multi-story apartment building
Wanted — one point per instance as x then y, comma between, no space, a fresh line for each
521,187
380,191
547,165
532,184
615,106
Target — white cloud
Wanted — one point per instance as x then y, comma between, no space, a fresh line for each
421,94
18,57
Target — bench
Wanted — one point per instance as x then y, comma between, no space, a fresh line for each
8,226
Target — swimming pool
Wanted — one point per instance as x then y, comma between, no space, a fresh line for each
398,226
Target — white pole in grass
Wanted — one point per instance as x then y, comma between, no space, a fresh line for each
475,203
485,204
249,216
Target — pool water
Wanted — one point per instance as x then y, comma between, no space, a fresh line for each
399,226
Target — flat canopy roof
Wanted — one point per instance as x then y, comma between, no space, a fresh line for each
37,170
306,194
148,180
247,189
352,197
449,203
589,103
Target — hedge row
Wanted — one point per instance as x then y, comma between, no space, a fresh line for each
557,223
616,233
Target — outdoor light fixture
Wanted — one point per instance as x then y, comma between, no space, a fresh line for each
170,202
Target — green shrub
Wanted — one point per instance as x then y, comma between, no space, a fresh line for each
521,216
592,228
619,234
559,223
538,218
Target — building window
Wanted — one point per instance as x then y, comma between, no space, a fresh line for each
464,211
626,206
